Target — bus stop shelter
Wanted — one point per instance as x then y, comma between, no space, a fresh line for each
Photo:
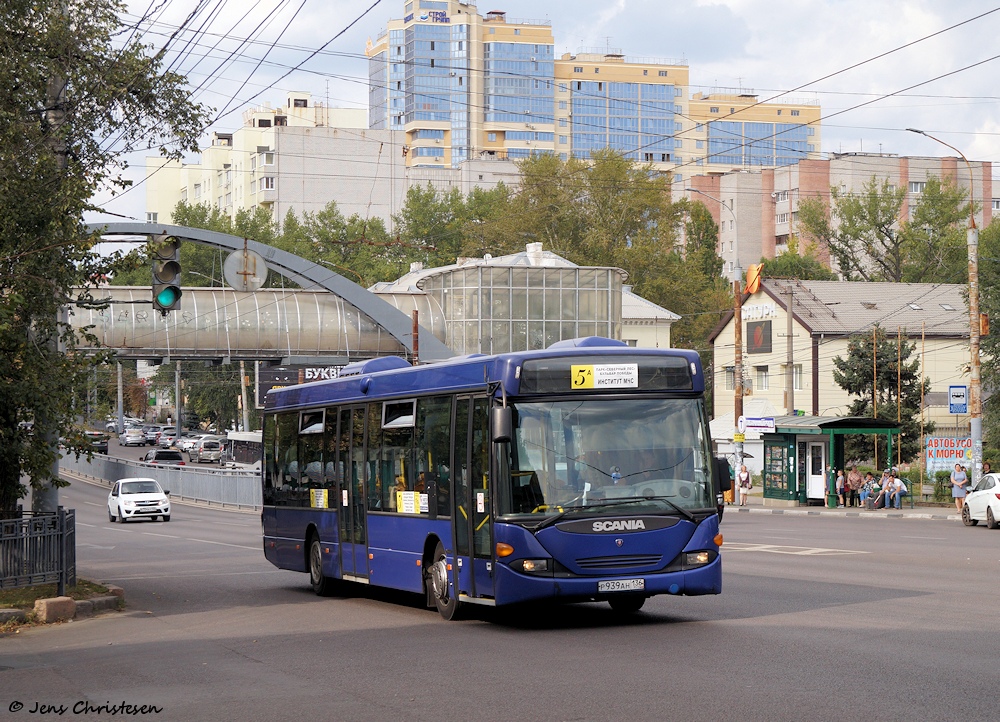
802,450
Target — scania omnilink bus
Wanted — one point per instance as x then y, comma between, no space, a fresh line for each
579,472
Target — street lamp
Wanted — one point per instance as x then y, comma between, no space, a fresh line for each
737,337
975,379
195,273
737,268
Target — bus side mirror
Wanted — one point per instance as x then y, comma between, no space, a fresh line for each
501,422
722,474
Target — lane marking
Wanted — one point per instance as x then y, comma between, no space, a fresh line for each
224,544
779,549
929,538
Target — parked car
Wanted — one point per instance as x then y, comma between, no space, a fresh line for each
164,456
133,497
207,448
132,436
152,432
187,442
983,503
98,441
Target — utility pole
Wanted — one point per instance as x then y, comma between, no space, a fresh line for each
177,396
243,396
975,321
738,370
790,361
45,496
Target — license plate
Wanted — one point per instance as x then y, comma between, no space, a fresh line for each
621,585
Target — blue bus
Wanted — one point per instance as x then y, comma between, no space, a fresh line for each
579,472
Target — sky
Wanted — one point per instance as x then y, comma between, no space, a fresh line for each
943,81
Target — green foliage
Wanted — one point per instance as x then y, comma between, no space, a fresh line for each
56,151
870,241
896,381
989,303
792,265
934,240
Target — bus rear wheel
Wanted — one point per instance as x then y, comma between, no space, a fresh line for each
627,603
321,584
437,581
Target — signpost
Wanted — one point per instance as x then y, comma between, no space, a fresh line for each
755,423
958,399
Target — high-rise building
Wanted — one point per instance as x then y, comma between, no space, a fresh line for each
463,86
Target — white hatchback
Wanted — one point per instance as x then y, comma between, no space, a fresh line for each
133,498
983,503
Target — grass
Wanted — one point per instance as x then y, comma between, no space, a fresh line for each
24,598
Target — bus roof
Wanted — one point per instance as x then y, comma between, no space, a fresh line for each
377,379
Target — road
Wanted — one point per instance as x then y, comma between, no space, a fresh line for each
821,618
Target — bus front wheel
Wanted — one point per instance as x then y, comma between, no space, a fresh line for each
627,603
321,584
437,579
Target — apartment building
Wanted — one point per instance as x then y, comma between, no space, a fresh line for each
757,211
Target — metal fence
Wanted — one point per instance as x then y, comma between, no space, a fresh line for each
225,487
38,549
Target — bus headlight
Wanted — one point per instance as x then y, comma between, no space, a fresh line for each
696,559
532,566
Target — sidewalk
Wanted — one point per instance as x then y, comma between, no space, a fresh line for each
755,505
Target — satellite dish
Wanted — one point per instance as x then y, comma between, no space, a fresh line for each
245,271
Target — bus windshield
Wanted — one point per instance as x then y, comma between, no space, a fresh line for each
609,456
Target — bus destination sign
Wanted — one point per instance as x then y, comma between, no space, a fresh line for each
604,376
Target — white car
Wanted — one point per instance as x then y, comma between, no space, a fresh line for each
133,498
983,503
186,443
132,436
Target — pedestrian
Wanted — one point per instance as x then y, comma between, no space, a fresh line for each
897,492
958,481
841,487
854,482
745,482
867,486
986,468
884,483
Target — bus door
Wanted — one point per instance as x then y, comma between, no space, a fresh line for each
351,463
473,498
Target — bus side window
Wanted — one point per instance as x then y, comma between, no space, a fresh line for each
433,447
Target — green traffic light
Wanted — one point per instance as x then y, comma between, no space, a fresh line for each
168,296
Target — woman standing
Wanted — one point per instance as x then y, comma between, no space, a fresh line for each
958,481
745,483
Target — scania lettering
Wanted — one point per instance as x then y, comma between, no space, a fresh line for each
626,525
579,472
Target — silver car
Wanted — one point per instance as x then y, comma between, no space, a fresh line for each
207,449
132,436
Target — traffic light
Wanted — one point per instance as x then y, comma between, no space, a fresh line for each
166,273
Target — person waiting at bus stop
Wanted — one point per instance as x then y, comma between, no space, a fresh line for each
854,482
958,481
897,490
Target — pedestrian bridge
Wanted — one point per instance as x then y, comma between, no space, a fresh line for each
328,319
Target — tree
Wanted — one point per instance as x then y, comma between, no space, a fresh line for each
869,239
934,239
71,103
792,265
859,230
989,303
895,385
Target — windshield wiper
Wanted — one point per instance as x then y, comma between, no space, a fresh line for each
613,502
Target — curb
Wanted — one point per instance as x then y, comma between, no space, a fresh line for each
875,514
61,609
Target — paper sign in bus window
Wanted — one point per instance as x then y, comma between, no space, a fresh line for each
604,376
